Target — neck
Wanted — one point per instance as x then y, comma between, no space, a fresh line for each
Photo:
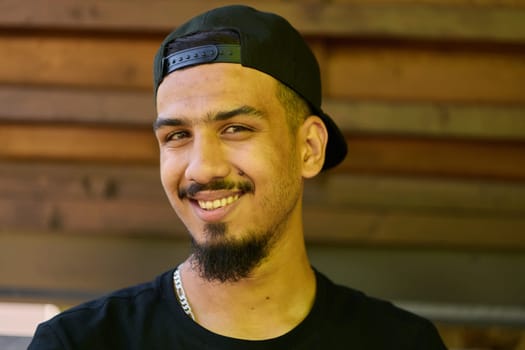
274,299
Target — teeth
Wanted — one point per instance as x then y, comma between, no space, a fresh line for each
218,203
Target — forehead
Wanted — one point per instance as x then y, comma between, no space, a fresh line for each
216,86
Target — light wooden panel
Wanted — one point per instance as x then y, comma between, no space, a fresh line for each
65,105
78,143
427,119
96,61
412,229
95,263
426,73
411,194
416,156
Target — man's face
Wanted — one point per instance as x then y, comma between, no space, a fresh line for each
229,164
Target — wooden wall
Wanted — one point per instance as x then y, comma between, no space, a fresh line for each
430,95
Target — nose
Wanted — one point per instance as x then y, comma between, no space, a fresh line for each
207,160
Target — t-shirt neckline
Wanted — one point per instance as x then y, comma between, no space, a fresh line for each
304,333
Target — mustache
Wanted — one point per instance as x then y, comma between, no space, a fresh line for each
220,184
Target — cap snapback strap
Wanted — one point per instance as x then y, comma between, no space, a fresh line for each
229,53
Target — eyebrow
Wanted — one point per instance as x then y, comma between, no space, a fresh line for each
160,122
217,116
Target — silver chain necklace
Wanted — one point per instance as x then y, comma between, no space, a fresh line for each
181,295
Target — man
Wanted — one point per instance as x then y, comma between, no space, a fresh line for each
239,126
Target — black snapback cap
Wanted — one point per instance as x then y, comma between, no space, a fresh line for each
269,44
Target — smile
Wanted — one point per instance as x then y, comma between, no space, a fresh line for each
217,203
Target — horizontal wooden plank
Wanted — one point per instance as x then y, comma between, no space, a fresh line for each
42,104
96,61
62,261
352,70
394,155
421,73
416,195
129,217
392,19
372,155
358,227
78,143
82,181
65,105
430,119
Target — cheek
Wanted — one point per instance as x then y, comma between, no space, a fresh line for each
284,156
274,168
170,176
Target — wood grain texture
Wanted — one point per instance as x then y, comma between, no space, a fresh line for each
496,21
365,228
430,119
451,74
430,157
44,104
122,62
78,143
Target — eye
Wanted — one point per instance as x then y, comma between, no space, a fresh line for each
177,135
233,129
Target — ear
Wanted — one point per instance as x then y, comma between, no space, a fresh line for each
314,137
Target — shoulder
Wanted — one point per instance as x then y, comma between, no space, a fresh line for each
121,301
118,314
375,320
350,303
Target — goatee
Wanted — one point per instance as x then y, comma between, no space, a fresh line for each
223,259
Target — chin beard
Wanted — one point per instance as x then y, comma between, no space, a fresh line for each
226,259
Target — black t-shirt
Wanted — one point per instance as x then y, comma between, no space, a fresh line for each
148,316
